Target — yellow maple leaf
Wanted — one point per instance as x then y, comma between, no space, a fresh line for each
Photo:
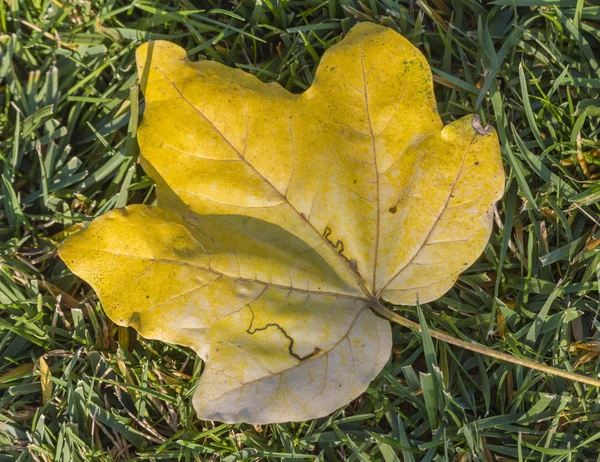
282,219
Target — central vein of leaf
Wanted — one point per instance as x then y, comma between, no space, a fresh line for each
374,149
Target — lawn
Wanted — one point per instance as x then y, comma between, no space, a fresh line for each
74,386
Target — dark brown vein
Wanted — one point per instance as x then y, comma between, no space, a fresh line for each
307,361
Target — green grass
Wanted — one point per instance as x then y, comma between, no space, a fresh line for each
73,386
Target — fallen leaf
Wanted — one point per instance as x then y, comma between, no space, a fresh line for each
283,218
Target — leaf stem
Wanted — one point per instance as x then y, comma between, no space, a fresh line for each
481,349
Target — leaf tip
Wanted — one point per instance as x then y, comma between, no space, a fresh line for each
479,128
159,53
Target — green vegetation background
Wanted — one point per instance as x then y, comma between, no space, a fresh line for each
73,386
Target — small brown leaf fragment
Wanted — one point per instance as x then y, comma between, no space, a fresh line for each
501,321
510,388
586,358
